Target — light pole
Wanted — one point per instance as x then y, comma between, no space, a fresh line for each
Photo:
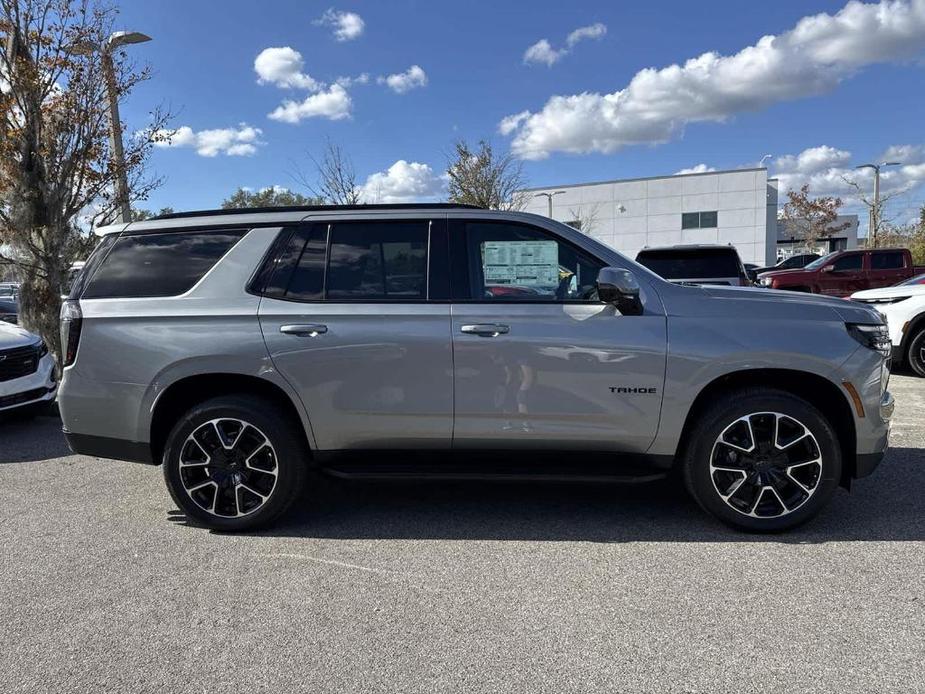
115,40
548,197
874,223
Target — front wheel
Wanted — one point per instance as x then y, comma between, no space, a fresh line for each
234,463
917,353
762,460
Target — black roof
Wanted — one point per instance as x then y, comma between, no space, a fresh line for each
319,208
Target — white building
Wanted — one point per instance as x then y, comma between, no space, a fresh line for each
737,207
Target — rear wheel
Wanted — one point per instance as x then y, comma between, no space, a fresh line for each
234,463
916,356
762,460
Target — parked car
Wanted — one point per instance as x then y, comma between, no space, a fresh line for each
794,262
9,310
903,307
27,371
238,348
918,279
844,272
9,290
696,264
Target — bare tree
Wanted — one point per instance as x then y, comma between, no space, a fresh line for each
876,219
335,180
482,178
584,217
55,158
810,218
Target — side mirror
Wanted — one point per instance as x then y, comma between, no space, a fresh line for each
618,287
829,268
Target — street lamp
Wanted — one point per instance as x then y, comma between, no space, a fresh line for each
115,40
874,223
548,197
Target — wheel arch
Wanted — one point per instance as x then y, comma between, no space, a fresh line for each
916,324
187,392
819,391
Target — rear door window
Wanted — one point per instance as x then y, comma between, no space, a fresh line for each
701,263
159,264
887,260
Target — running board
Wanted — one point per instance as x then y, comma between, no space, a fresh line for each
495,468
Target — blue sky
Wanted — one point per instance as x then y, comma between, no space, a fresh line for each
843,89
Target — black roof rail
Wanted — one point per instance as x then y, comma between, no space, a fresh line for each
319,208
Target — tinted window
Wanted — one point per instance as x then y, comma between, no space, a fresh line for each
700,263
96,257
849,262
690,220
158,264
307,282
378,261
512,262
699,220
886,261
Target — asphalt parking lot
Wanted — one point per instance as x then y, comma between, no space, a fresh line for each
454,587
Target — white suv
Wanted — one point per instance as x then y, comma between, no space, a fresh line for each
903,307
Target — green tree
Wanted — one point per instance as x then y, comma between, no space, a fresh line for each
268,197
481,177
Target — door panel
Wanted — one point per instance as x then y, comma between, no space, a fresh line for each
561,375
376,376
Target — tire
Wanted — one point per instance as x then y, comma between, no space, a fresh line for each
783,482
916,354
247,439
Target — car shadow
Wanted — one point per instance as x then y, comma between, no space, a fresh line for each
885,506
25,439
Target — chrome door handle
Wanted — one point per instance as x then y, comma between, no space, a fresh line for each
304,330
486,329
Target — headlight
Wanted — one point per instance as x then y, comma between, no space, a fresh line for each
765,281
875,337
43,349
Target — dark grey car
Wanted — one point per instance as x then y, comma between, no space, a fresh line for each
242,348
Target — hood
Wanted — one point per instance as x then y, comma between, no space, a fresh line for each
784,273
890,292
13,336
848,311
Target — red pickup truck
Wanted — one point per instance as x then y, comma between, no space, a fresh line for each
844,272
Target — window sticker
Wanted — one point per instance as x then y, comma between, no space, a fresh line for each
521,263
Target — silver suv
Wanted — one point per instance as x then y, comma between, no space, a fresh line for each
241,348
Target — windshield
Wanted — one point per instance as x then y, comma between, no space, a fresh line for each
821,261
678,264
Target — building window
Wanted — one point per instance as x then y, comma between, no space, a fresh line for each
699,220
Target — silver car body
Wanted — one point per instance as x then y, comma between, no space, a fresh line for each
404,376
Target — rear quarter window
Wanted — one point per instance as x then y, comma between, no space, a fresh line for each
691,264
159,264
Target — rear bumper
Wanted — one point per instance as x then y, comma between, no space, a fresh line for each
105,447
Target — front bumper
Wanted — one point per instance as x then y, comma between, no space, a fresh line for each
32,389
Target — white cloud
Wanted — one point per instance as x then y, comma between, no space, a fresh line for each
592,31
333,103
698,168
509,124
401,82
543,52
402,182
283,68
347,25
233,142
813,57
347,82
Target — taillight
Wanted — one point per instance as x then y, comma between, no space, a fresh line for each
71,318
